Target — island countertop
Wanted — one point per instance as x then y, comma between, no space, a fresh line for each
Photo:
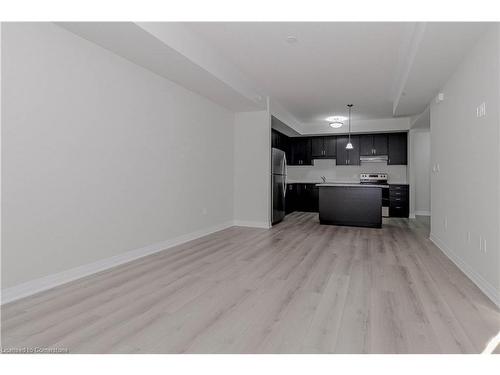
353,184
358,205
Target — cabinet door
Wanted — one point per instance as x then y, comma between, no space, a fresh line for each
317,147
397,148
330,146
342,154
353,155
301,151
366,145
274,138
307,151
315,198
296,152
309,198
290,198
300,194
380,144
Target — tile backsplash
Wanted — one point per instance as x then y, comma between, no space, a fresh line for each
342,173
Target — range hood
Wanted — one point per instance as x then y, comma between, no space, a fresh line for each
374,159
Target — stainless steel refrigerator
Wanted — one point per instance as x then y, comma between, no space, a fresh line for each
278,183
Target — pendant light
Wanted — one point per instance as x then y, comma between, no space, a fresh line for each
349,144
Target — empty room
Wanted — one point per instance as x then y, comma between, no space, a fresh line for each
250,187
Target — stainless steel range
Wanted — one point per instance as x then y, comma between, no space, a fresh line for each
374,178
378,179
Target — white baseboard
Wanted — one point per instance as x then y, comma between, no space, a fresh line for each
253,224
48,282
488,289
423,213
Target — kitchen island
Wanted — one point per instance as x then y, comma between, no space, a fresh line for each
355,204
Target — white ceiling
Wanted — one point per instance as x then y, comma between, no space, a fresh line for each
386,69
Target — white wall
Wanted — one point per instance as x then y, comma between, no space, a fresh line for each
419,171
465,192
252,168
101,156
344,173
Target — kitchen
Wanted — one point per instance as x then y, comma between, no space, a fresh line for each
356,186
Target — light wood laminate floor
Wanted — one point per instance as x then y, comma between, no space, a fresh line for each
299,287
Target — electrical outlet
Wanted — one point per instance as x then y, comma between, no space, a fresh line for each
481,110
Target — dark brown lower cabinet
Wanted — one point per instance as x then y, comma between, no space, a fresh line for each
302,197
399,201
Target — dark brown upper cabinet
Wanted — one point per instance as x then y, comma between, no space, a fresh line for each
300,151
323,147
373,144
348,157
397,144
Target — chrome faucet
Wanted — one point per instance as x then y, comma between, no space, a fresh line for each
323,178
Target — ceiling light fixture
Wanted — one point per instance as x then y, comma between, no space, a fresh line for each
336,118
291,39
349,144
336,124
336,121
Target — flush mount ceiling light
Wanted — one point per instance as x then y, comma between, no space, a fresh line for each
336,121
291,39
349,144
336,124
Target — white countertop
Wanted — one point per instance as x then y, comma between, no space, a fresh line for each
320,182
352,184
